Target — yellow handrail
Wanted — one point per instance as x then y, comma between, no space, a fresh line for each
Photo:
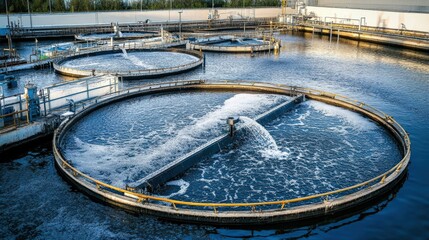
13,113
253,204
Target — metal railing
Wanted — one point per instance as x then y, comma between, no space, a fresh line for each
143,198
59,95
248,48
267,44
26,32
17,119
17,104
401,33
88,47
55,97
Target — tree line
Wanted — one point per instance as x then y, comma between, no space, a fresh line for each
17,6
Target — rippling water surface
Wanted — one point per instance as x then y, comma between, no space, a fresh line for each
317,148
37,203
177,124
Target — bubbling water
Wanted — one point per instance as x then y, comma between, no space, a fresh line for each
263,138
312,156
136,147
136,61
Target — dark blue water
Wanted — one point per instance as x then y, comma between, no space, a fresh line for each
36,203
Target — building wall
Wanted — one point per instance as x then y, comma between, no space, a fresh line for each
387,19
386,5
58,19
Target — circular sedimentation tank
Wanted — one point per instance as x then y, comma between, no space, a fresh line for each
129,63
325,165
236,44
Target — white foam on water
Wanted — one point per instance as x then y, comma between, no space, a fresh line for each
263,138
122,163
300,119
339,129
112,162
180,183
107,161
348,143
259,132
132,127
211,122
135,60
124,52
356,121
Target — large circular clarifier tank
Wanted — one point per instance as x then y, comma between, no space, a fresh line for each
312,149
235,44
131,63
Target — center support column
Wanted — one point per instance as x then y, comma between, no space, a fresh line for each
231,121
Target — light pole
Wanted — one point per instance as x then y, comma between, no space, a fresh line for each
29,12
36,41
50,6
242,10
169,10
7,13
180,24
211,14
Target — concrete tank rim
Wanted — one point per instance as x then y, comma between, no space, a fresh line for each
86,36
233,49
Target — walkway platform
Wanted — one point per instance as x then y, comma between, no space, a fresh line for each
72,30
401,38
26,66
